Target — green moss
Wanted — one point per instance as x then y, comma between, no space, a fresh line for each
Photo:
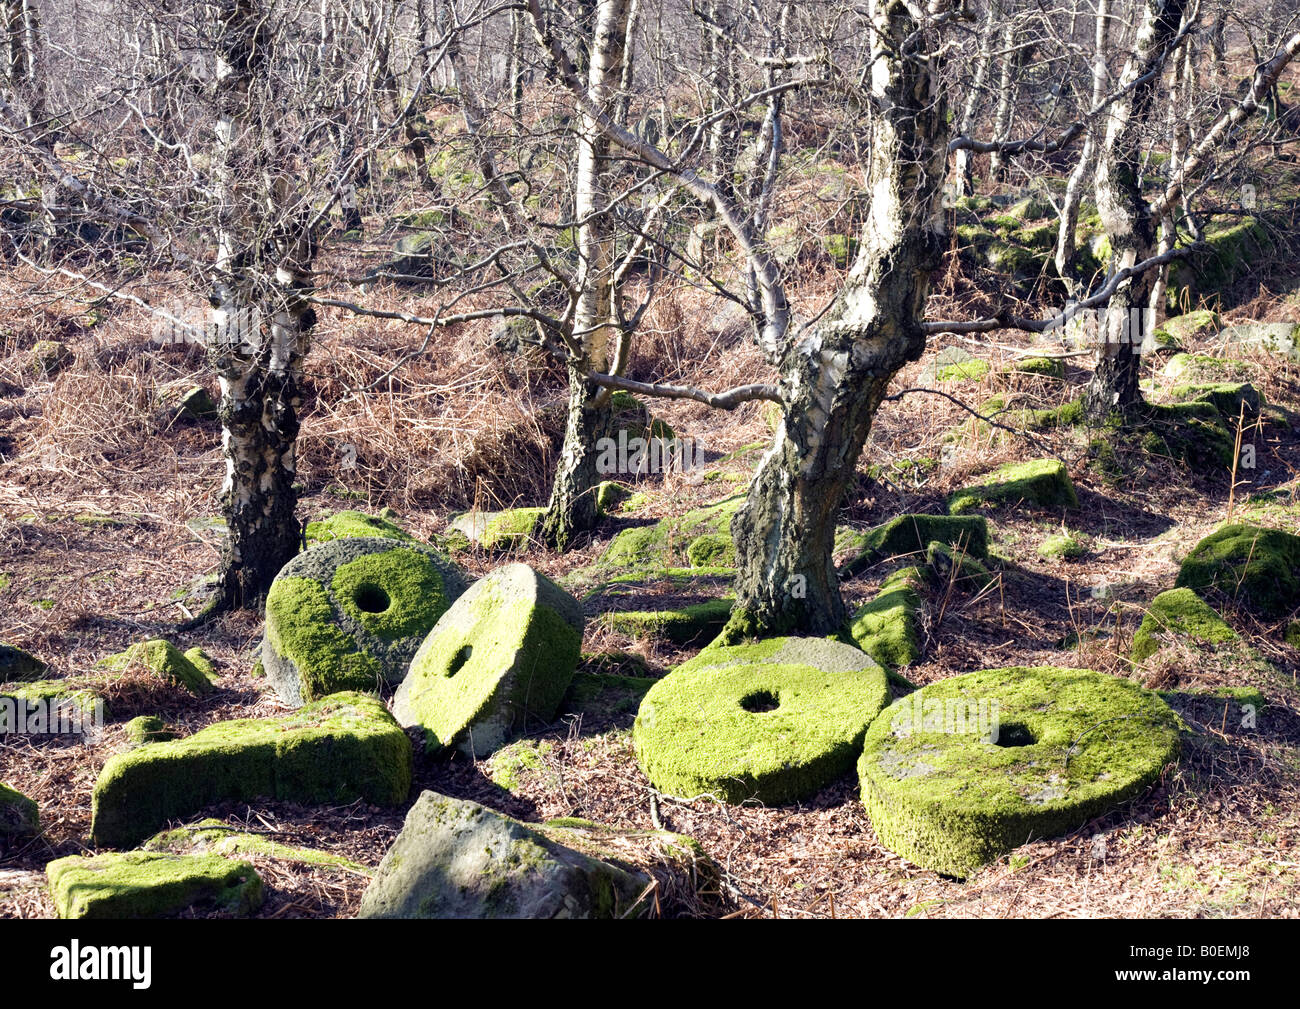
610,494
1045,367
396,594
710,726
682,625
19,815
17,664
340,749
212,837
965,371
1179,612
511,528
956,567
1231,253
517,762
910,534
165,661
665,543
147,729
712,550
1064,545
947,794
887,628
1178,330
1233,400
347,524
1193,433
1255,567
60,700
138,884
502,655
1043,482
300,627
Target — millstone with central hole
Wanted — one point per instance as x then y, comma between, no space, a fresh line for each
350,614
501,657
964,770
774,721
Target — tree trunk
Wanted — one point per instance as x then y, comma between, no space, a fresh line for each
262,324
834,380
572,509
964,163
1127,217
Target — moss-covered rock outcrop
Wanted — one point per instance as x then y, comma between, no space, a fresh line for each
1042,482
503,654
213,837
19,815
682,625
668,542
911,534
774,721
65,707
339,749
501,530
351,613
457,859
139,884
1178,613
966,769
888,627
1254,567
168,663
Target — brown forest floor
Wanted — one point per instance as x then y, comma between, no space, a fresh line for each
97,487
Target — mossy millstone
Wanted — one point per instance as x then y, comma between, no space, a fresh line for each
340,749
351,613
141,884
775,721
503,654
1255,567
1069,745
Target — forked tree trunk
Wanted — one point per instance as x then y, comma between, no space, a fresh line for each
572,509
834,380
1126,216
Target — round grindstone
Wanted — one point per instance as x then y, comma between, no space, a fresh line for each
774,721
504,654
964,770
350,614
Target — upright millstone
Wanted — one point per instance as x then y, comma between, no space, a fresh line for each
502,655
351,613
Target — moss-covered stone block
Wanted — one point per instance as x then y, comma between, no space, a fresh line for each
351,613
1179,613
147,729
1233,400
665,543
19,815
774,721
1278,339
457,859
888,627
1177,331
1042,367
1254,567
1042,482
139,884
64,707
501,530
604,695
504,654
339,749
682,625
969,768
18,664
1192,432
349,524
213,837
712,550
911,534
1062,546
166,662
610,494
